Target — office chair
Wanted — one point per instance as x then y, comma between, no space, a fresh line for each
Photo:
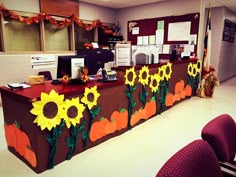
220,133
196,159
46,74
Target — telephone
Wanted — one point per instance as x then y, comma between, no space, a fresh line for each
109,75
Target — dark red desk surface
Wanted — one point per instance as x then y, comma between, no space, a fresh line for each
34,92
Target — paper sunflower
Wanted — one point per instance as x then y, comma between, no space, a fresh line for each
190,69
144,75
90,97
130,76
162,72
73,112
168,71
48,110
154,84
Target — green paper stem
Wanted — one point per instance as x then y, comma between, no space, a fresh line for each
155,94
52,140
73,140
131,102
143,96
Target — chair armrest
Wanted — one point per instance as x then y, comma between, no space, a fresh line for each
228,165
227,172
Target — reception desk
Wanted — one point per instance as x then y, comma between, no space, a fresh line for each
47,124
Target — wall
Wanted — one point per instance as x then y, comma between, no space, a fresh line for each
160,9
227,55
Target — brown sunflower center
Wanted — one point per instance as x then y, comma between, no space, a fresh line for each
50,110
72,112
161,73
194,70
144,75
90,97
190,69
154,83
167,70
130,76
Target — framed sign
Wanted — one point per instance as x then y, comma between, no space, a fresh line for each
227,25
226,35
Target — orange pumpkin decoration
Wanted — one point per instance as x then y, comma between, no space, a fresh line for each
97,129
188,90
182,94
137,116
22,141
110,127
179,86
121,118
10,135
30,157
150,108
177,96
170,99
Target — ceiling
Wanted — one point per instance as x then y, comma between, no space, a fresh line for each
119,4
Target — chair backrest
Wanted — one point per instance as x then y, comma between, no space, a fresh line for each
196,159
46,74
220,133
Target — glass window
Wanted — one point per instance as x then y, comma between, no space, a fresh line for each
56,39
83,36
18,36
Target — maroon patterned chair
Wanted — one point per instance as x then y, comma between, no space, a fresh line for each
196,159
220,133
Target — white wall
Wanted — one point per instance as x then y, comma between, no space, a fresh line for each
227,55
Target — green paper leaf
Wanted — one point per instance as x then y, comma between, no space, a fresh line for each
133,104
69,142
81,127
146,93
95,111
134,88
49,139
153,98
84,135
122,110
128,94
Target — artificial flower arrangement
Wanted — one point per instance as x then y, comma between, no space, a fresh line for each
82,76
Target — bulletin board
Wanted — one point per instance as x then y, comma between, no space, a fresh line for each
149,27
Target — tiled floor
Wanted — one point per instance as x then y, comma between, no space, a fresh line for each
140,152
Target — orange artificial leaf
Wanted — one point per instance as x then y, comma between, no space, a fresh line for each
30,157
150,108
188,90
97,129
170,99
10,135
110,127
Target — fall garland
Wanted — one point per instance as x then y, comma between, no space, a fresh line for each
58,23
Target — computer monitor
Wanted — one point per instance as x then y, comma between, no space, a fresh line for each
69,65
95,58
